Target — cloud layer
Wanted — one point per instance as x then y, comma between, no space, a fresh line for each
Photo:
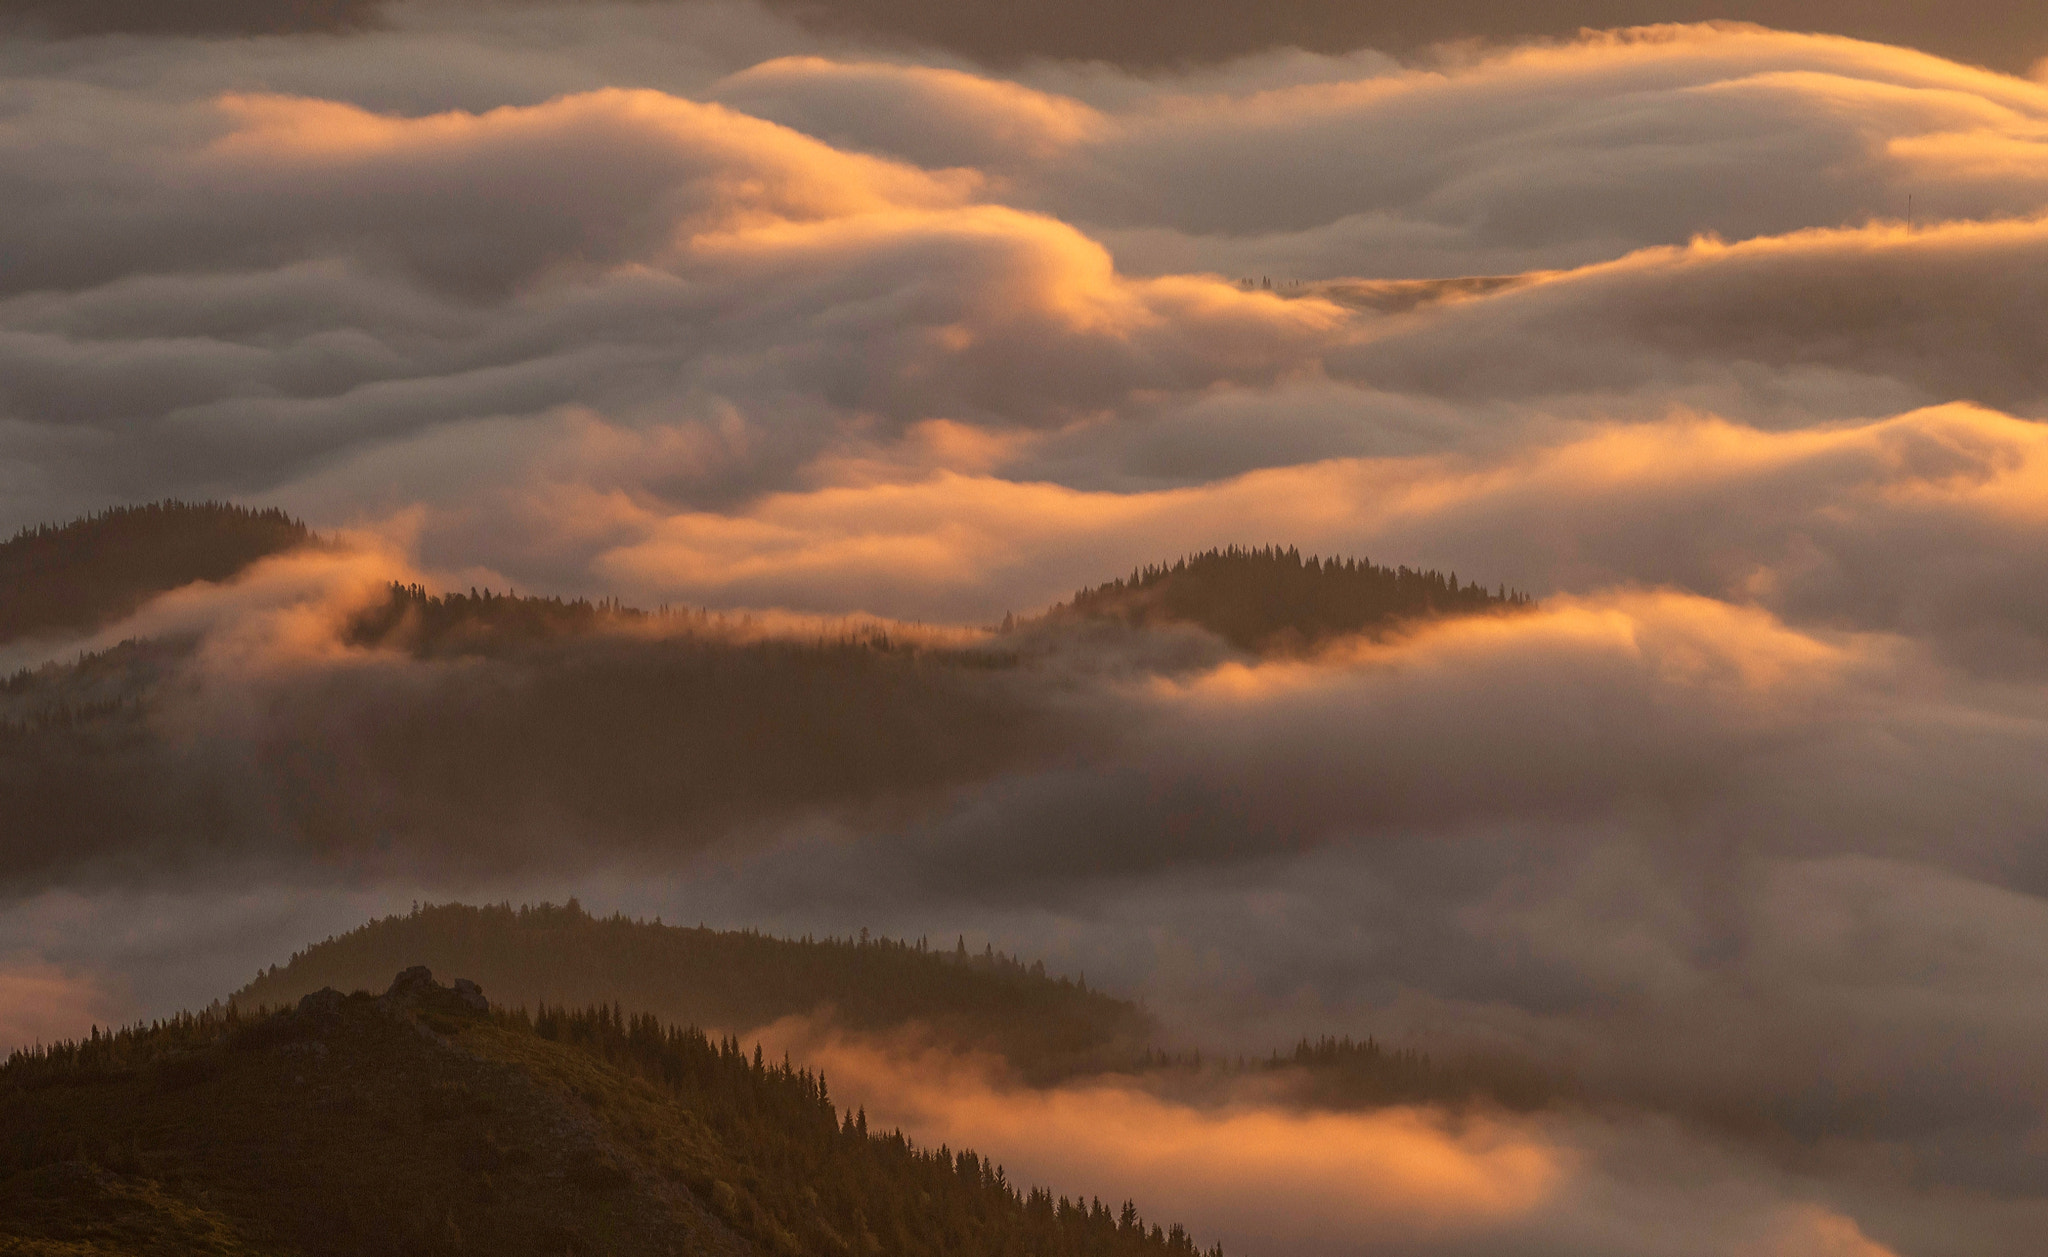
693,305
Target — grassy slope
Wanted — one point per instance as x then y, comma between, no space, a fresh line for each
730,979
373,1135
431,1128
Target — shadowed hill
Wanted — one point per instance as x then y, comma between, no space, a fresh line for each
1274,600
1049,1028
1343,1073
486,623
74,577
430,625
420,1122
737,980
634,744
490,734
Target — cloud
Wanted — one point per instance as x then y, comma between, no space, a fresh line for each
690,305
1242,1170
74,957
1870,311
1850,525
936,117
1396,1173
1539,157
42,1003
301,297
1760,879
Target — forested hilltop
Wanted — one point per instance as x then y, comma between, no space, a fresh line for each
470,732
632,741
74,577
430,625
734,980
423,1122
1274,600
1049,1027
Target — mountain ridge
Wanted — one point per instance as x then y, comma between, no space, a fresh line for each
422,1121
734,980
92,571
1271,600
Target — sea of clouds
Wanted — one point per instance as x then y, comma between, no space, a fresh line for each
693,304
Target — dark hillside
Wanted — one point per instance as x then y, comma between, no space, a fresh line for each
431,625
1335,1073
632,743
74,577
419,1123
733,979
1049,1027
1274,600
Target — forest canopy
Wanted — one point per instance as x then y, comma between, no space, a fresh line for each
735,979
445,1127
1272,599
1048,1027
470,730
69,578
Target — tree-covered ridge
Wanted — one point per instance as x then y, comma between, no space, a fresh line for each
1050,1027
1273,599
738,979
482,621
418,1123
430,625
86,695
633,742
1346,1073
1332,1073
798,1182
66,578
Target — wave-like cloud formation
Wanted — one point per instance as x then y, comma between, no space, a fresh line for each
1262,1176
585,319
1740,823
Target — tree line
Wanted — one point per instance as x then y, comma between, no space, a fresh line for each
811,1178
62,578
445,1130
736,979
1272,599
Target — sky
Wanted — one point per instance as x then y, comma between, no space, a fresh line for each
1722,340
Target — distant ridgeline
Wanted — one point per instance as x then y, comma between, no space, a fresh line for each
1048,1027
1273,599
77,576
736,980
1349,1074
640,730
429,624
420,1121
635,742
635,738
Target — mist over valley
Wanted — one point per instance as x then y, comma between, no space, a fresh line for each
1388,629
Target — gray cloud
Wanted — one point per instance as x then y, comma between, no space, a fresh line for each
1508,162
1741,824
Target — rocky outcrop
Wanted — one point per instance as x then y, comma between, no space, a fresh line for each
415,988
410,985
324,1004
